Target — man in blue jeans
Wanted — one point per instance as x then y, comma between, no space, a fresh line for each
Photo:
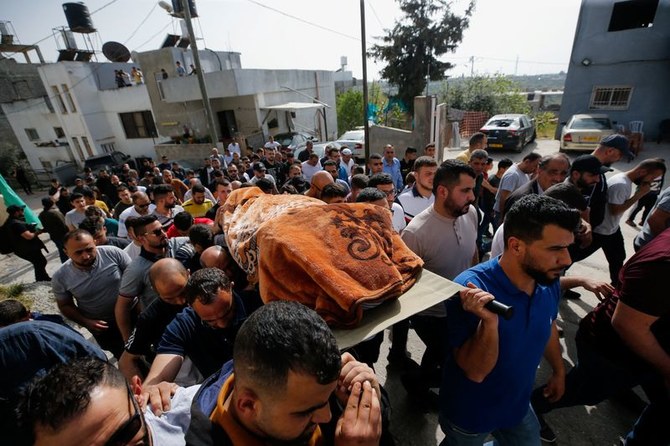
490,369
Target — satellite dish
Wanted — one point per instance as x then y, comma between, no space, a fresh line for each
116,52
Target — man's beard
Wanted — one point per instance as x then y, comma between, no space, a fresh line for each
541,277
455,212
170,205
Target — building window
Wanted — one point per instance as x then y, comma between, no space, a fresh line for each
77,147
59,99
68,96
138,124
60,133
87,145
633,14
610,98
108,148
32,134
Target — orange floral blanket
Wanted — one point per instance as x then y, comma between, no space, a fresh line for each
338,259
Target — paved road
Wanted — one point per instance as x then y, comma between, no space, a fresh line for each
578,426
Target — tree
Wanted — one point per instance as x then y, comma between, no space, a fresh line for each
349,110
492,94
429,29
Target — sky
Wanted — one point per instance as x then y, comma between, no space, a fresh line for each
507,37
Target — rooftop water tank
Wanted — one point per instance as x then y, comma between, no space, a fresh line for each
78,18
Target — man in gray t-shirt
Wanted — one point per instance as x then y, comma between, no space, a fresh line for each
87,286
657,221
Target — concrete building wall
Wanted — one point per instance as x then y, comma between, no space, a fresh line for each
636,58
34,114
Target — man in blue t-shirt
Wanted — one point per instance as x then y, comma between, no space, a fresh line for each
490,369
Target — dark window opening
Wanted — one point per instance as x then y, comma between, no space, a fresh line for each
138,125
633,14
59,132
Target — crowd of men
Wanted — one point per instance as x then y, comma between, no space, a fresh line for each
199,359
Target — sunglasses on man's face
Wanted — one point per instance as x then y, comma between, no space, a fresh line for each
156,232
130,428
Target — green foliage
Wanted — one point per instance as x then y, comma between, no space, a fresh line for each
492,94
546,124
428,30
9,157
349,107
15,291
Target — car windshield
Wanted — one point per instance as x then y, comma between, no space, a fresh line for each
591,124
284,140
356,135
506,122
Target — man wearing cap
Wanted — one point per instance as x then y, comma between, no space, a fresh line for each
347,159
611,149
608,233
25,241
53,223
260,172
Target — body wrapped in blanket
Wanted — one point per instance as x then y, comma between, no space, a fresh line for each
338,259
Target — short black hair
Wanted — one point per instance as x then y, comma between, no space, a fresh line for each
142,222
121,188
285,336
527,217
12,311
198,188
532,156
449,174
380,178
92,225
505,163
329,163
476,138
204,285
569,194
332,190
87,192
359,181
265,185
201,235
183,221
64,393
375,156
162,190
370,194
424,161
75,196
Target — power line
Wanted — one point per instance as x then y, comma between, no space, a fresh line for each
374,13
307,22
104,6
141,23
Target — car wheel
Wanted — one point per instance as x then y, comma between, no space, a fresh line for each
532,138
519,147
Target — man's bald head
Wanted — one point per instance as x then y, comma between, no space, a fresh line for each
319,180
168,278
218,257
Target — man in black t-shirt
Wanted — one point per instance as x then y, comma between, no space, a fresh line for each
26,242
625,342
168,277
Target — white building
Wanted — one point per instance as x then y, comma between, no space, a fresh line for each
85,114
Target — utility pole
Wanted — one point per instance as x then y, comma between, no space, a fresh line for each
211,124
364,55
516,65
472,66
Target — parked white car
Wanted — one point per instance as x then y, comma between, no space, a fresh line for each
584,132
355,141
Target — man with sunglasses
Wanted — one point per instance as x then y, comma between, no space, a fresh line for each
141,206
88,401
136,291
205,331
